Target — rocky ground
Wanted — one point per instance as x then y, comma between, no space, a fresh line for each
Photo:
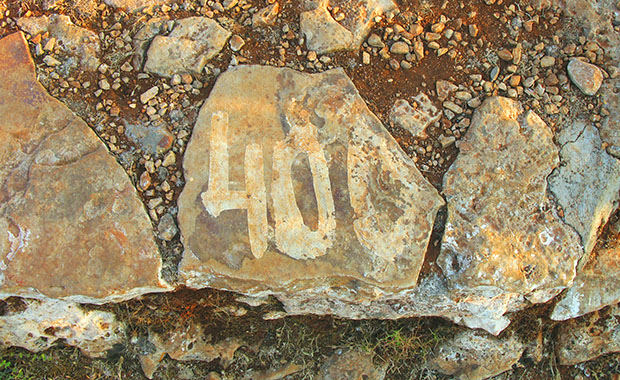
485,189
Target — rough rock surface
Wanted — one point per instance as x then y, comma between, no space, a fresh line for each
143,38
474,355
414,119
351,365
359,16
186,343
39,324
78,43
192,42
134,5
596,285
587,77
589,337
73,224
324,34
587,182
331,200
502,231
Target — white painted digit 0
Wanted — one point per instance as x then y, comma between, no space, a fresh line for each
292,236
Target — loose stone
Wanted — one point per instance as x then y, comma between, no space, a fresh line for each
587,77
399,48
149,94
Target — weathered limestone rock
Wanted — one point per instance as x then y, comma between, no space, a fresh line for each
74,41
414,119
324,34
186,343
502,231
39,324
596,285
72,225
587,77
295,188
142,39
351,365
474,355
589,337
359,16
192,42
135,5
587,182
444,89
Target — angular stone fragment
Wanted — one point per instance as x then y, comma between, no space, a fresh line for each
144,36
414,119
587,182
192,42
597,284
39,324
474,355
186,343
444,89
266,16
135,5
502,231
589,337
71,222
323,34
294,186
587,77
74,41
359,16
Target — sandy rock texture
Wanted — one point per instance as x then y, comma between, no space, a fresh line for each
502,231
74,226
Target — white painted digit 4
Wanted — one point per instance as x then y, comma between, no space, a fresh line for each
218,197
293,237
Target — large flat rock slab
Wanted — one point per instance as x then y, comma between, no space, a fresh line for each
502,230
295,187
71,223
